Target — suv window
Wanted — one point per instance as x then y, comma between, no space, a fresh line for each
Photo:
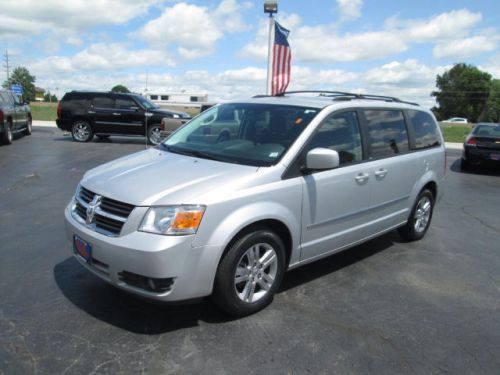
6,97
387,132
125,104
340,132
103,102
424,127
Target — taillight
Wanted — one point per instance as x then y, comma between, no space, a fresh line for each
59,110
1,117
471,141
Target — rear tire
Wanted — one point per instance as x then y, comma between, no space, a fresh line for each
464,165
154,135
250,273
82,131
420,217
7,135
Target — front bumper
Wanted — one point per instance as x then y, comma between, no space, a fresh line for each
150,256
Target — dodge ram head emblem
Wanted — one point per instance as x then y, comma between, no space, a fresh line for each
91,208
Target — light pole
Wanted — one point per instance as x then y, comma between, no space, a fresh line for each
271,7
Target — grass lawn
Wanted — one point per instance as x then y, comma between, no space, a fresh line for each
44,111
455,133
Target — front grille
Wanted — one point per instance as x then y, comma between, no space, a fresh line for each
110,215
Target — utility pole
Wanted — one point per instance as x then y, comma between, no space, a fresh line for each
6,64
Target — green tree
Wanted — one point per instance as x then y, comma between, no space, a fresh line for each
120,88
493,104
48,97
462,91
22,76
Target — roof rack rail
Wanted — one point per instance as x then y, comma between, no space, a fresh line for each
340,95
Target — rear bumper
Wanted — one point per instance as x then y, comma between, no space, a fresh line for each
476,155
63,124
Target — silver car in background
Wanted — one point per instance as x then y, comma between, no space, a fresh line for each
249,189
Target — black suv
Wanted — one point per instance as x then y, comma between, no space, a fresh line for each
15,117
86,113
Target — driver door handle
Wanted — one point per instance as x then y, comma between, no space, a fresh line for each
116,113
91,112
362,177
380,173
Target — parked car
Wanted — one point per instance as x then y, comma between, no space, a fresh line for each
15,117
172,123
298,178
457,120
482,146
107,113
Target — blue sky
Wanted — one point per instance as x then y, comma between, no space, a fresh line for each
219,47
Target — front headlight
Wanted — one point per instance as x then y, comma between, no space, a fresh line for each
175,115
172,220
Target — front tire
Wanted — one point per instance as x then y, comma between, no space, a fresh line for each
420,217
250,273
82,131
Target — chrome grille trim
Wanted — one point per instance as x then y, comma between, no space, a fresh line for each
109,217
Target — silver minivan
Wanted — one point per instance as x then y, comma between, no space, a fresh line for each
249,189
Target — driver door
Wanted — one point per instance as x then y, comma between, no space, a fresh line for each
336,202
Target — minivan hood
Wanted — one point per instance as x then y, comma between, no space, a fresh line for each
154,177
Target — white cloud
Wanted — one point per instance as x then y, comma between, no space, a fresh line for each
194,29
100,56
409,73
349,9
437,28
22,17
463,48
325,44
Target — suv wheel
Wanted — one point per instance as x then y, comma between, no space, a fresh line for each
29,124
250,273
154,135
7,134
82,131
420,217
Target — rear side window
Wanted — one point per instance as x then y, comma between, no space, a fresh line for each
386,132
340,132
125,104
103,102
425,129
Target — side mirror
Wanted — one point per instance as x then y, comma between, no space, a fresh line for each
322,158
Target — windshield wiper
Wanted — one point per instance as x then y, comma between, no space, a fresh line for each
195,153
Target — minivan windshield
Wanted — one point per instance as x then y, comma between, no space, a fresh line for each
246,133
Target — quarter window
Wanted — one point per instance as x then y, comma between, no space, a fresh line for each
425,129
340,132
386,132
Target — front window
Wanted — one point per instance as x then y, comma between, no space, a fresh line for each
147,104
250,134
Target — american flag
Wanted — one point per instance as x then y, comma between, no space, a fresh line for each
281,60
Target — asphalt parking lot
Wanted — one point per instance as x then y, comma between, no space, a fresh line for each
386,307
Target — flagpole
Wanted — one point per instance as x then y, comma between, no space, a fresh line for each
270,54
